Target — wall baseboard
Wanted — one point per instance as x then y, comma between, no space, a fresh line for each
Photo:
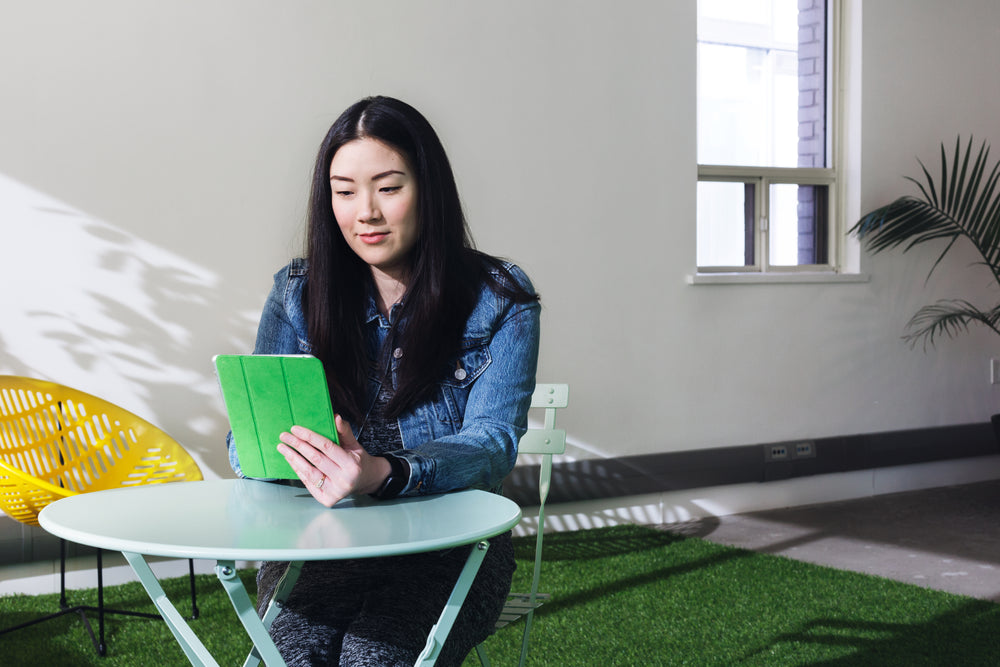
629,476
700,505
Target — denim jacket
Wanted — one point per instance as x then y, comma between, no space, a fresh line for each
465,433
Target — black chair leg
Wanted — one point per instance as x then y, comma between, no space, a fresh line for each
96,639
62,574
81,610
194,594
101,648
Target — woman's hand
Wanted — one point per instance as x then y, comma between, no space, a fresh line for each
330,471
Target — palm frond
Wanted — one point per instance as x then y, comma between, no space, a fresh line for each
930,197
944,177
948,317
965,206
907,220
975,176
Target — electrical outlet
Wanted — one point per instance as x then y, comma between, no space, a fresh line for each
805,450
994,371
775,452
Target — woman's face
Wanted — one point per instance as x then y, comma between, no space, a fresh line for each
375,203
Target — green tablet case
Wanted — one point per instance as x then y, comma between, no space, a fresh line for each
266,395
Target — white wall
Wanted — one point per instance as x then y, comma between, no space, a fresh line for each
154,162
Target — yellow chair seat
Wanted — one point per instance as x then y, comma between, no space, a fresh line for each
56,441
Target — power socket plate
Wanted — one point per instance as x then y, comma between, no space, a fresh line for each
802,449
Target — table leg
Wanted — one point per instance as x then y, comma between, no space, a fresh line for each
264,647
281,593
451,608
195,651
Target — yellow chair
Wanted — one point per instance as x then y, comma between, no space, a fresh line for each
56,442
545,441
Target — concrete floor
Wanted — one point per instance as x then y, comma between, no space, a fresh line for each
946,538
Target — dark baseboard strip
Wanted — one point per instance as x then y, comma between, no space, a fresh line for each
597,479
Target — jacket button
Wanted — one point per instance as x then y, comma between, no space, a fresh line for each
460,374
397,353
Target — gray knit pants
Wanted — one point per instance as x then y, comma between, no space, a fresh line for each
378,612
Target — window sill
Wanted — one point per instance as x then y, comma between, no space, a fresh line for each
791,277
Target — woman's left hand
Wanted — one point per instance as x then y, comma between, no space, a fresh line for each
330,471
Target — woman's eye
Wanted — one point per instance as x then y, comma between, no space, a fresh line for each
391,188
343,193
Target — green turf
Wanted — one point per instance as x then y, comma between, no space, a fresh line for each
620,596
632,596
130,641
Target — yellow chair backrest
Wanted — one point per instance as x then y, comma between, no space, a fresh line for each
56,441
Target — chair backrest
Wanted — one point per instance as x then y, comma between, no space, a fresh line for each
548,439
56,441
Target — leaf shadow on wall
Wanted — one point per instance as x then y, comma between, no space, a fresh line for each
95,307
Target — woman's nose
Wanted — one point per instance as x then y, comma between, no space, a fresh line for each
368,210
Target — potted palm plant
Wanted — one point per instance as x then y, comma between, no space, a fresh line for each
963,206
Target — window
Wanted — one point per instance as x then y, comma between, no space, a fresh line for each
767,159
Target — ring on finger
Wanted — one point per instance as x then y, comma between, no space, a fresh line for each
319,484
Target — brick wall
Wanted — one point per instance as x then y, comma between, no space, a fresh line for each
812,122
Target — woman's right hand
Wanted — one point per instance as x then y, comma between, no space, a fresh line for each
330,471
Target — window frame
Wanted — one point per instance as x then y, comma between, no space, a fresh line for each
763,177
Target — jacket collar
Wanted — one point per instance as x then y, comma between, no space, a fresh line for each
371,309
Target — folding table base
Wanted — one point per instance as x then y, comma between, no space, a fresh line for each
257,627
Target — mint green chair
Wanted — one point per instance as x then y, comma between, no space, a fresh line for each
545,441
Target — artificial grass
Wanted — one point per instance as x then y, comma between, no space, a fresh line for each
637,596
626,595
130,641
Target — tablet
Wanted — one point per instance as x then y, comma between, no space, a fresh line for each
266,395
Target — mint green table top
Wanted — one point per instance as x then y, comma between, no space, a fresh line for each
241,519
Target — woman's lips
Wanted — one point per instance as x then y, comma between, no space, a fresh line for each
372,238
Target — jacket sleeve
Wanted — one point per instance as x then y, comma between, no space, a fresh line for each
483,452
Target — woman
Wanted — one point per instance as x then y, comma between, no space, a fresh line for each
430,349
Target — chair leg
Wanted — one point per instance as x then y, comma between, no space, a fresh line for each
96,639
69,610
80,610
62,574
63,607
484,659
194,594
524,639
101,648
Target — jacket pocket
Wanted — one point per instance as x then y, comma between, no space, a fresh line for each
457,380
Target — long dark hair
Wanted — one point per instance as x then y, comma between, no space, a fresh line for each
446,271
